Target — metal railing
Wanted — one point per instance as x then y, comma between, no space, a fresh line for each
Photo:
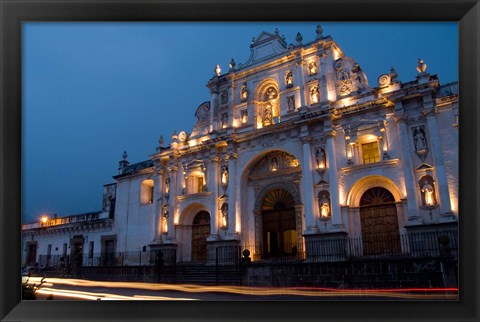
414,245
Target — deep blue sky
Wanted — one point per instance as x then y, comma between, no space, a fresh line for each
92,90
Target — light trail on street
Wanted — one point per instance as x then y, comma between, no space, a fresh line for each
56,286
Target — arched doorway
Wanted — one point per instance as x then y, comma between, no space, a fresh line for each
379,222
200,232
278,222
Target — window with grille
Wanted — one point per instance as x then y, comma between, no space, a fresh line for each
370,152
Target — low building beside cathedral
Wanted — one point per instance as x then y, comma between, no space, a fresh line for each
294,148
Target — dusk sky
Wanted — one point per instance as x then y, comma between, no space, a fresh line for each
93,90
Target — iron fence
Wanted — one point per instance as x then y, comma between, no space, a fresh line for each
414,245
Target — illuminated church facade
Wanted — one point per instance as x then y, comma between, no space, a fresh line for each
294,146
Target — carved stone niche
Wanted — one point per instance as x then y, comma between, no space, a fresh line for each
275,163
420,142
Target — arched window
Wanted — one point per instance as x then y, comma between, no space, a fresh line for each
146,192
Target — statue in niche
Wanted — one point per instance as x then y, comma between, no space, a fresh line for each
225,215
312,68
224,97
324,207
271,93
274,164
165,219
167,185
291,103
289,79
224,175
224,120
314,94
419,139
244,116
267,115
244,92
429,194
320,158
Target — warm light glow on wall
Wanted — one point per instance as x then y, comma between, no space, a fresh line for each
165,225
341,196
259,123
336,54
238,224
176,218
234,122
331,96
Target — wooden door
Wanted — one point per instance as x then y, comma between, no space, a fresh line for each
31,254
200,232
379,221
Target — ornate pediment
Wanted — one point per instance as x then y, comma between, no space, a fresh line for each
424,167
362,127
275,163
264,46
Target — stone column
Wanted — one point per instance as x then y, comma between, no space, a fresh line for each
231,192
212,183
213,109
413,216
323,77
181,183
301,82
337,223
172,204
331,74
445,205
158,184
307,185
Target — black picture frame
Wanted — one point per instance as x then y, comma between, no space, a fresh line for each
14,12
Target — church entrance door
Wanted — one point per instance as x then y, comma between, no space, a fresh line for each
31,254
200,232
278,221
379,221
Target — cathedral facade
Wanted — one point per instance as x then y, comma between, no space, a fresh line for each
295,146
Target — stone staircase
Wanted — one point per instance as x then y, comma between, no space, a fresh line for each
202,274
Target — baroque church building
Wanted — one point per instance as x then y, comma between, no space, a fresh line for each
294,147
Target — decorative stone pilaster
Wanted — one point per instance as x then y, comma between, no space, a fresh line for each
323,77
172,204
331,75
413,216
231,192
307,183
212,182
301,81
442,182
337,224
158,183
